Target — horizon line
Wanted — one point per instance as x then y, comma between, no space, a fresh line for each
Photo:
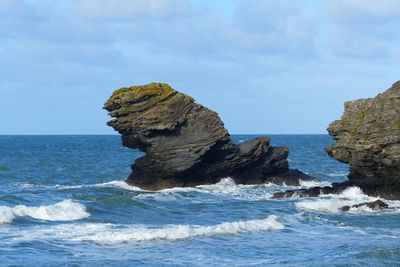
80,134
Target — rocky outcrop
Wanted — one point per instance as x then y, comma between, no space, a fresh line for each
368,139
186,144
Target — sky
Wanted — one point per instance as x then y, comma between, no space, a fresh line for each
266,66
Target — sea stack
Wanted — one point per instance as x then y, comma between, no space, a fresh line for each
368,139
186,144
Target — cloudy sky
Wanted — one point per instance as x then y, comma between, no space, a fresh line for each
264,66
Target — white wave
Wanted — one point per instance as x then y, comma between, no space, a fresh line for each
313,183
174,232
6,215
349,197
62,211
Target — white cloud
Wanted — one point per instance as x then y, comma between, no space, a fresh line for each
366,29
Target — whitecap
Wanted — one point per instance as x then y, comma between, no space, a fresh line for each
66,210
313,183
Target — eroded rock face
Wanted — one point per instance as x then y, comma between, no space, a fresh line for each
368,138
186,144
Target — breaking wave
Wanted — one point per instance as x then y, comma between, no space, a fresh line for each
62,211
175,232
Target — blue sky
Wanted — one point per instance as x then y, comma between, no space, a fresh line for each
264,66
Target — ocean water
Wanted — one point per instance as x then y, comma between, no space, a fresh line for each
63,202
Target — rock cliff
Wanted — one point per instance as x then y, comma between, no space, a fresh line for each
368,139
186,144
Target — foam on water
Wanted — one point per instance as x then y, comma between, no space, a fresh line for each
228,188
312,183
116,234
62,211
333,202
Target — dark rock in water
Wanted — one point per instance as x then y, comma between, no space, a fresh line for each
291,177
375,205
368,138
186,144
336,188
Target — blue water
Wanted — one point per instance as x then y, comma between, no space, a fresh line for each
63,203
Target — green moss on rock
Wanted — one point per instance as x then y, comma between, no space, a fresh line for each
397,124
361,115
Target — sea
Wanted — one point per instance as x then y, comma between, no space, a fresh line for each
64,202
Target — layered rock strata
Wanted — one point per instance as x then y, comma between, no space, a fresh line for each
368,139
186,144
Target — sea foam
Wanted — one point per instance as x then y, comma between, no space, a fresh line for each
66,210
313,183
350,196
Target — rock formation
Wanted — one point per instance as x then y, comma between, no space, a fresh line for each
186,144
368,139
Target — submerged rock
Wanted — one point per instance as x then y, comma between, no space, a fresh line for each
368,139
186,144
375,205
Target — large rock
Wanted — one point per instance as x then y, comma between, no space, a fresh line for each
186,144
368,138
